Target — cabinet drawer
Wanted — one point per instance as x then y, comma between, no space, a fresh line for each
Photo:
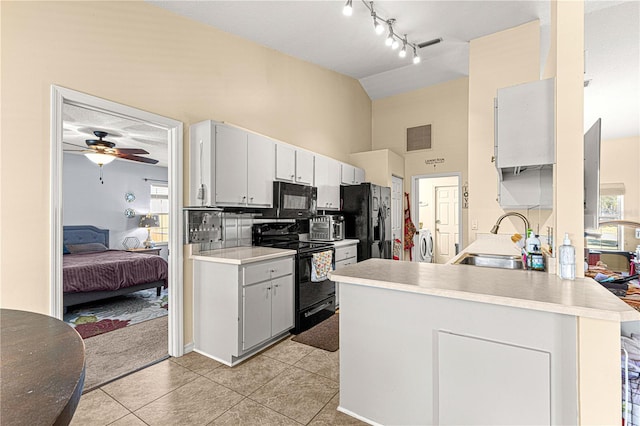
345,262
346,252
267,270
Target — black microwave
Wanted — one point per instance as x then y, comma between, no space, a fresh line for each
292,200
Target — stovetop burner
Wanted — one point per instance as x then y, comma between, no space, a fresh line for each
285,236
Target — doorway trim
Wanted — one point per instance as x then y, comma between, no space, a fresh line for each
415,196
59,97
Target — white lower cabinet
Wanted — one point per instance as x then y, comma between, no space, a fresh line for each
241,309
346,254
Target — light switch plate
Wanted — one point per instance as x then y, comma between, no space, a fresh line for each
637,233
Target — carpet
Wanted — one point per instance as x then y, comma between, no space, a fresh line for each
112,355
102,316
324,335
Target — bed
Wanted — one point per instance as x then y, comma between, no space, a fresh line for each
90,271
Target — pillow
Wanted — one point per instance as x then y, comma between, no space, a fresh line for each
86,248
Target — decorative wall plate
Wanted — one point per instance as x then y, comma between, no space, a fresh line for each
129,197
130,213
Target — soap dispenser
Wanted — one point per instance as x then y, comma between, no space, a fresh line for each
567,255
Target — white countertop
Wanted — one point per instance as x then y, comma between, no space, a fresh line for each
242,255
344,242
522,289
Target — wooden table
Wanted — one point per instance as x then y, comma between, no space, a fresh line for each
41,369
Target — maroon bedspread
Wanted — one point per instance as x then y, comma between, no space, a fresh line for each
110,270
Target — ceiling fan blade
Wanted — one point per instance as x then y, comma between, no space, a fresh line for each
130,151
137,158
73,144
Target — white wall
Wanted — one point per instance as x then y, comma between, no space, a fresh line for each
88,202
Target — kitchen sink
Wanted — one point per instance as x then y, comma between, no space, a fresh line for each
491,261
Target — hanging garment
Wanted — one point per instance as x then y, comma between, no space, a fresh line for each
409,227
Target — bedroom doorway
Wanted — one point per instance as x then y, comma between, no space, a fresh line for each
170,198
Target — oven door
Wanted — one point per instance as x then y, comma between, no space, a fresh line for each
315,300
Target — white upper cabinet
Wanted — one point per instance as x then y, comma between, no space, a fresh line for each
304,167
260,170
327,180
351,175
231,165
524,121
285,162
294,165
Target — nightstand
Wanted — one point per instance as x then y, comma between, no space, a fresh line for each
154,250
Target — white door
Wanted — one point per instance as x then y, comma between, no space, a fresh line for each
282,304
397,211
260,170
256,317
446,235
231,165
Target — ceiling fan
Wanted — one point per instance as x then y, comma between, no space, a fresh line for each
103,152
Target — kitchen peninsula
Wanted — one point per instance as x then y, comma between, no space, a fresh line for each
424,343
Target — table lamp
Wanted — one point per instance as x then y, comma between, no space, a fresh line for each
149,221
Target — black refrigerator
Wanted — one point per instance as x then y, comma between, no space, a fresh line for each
367,214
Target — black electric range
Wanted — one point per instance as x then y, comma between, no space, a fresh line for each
315,301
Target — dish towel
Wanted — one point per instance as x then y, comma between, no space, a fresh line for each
321,265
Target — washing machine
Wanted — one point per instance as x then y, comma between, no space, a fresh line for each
425,246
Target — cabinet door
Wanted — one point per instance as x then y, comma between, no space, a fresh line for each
347,174
333,185
282,304
285,162
346,252
256,314
321,181
304,167
358,175
525,116
231,165
260,170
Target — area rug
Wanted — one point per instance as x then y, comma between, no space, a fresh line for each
94,318
324,335
112,355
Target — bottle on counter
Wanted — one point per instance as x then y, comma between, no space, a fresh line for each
567,255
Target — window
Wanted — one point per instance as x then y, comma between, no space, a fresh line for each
160,206
611,208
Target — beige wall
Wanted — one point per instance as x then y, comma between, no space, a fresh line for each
379,165
142,56
620,163
498,60
445,107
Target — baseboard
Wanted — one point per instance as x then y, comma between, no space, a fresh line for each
356,416
189,347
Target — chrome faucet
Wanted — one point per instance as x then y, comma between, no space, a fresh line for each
494,230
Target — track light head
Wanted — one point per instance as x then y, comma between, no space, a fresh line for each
377,26
395,44
390,39
416,58
348,8
403,51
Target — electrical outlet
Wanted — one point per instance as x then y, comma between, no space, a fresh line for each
637,233
474,226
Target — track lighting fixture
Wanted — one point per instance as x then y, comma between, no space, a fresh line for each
393,40
348,8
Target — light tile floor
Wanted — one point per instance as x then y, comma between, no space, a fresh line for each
287,384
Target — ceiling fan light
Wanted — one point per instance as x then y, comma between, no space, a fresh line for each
99,158
348,8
